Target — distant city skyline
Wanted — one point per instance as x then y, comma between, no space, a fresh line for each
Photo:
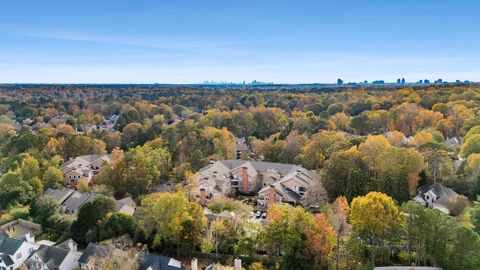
304,41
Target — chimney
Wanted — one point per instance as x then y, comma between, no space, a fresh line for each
203,197
237,264
72,246
194,264
271,195
30,238
245,188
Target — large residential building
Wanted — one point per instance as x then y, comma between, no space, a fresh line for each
274,182
82,167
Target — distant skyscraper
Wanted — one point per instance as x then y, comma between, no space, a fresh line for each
403,80
398,81
379,82
339,82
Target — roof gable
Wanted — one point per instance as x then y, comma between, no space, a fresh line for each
51,256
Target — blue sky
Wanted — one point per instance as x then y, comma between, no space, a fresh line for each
176,41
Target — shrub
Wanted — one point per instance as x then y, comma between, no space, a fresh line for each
457,207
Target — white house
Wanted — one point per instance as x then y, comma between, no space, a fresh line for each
54,258
14,252
436,196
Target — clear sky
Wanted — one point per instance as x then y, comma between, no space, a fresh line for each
176,41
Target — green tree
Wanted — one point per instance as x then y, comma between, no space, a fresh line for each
52,177
43,209
475,215
181,224
118,224
471,145
295,233
346,173
29,168
13,190
135,171
91,216
463,252
197,161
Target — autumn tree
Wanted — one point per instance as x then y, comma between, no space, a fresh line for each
376,219
182,223
321,240
321,146
340,211
459,115
287,232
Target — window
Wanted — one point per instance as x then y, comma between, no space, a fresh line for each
19,255
30,250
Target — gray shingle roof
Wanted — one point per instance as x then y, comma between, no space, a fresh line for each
6,259
444,194
100,251
64,244
94,250
157,262
60,195
76,200
52,257
9,245
262,166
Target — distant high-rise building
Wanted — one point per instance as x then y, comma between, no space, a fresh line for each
339,82
403,80
426,81
365,82
398,81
